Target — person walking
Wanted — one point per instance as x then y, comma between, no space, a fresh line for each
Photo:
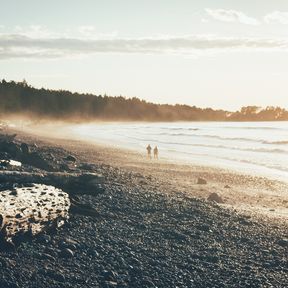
155,151
148,148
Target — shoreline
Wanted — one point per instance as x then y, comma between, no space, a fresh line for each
247,193
146,230
242,164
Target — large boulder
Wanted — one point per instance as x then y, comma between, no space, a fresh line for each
32,210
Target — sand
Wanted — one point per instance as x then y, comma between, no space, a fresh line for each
252,194
150,229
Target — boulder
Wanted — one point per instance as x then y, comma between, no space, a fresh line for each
36,160
215,197
25,148
32,210
70,158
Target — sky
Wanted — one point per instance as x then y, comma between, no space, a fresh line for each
210,53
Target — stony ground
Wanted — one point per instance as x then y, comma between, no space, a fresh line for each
146,237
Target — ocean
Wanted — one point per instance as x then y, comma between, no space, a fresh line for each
253,147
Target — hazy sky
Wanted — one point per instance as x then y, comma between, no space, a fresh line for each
216,53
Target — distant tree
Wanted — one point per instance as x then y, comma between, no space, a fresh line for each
20,98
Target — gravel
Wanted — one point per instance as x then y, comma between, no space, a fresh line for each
144,237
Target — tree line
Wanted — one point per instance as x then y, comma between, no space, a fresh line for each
19,98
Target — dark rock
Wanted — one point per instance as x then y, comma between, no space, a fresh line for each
70,158
109,275
25,148
67,253
53,274
93,253
36,160
227,187
212,259
245,222
11,148
47,256
83,209
215,197
283,242
68,242
44,238
201,181
204,227
8,284
110,284
148,283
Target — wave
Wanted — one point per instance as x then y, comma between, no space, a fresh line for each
254,128
206,136
235,148
244,161
261,150
218,137
179,128
276,142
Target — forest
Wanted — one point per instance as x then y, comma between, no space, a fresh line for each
20,99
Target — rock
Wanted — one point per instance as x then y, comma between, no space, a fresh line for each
283,242
109,275
43,238
215,197
212,258
58,277
83,209
201,181
227,187
66,253
93,253
47,256
11,148
148,283
245,222
9,164
110,284
69,243
8,284
203,227
91,178
52,274
32,210
70,158
25,148
36,160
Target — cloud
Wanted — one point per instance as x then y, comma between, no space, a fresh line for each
21,46
34,31
231,16
277,17
86,30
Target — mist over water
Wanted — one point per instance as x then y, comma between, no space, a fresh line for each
253,147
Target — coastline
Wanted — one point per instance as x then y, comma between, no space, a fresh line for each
148,230
253,194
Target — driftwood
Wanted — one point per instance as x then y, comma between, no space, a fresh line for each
32,210
87,183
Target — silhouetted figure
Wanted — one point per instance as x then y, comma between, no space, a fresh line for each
155,152
148,148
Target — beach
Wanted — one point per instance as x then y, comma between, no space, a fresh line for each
154,226
243,191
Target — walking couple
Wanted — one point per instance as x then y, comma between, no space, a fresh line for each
155,152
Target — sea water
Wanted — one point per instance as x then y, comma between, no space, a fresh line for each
252,147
